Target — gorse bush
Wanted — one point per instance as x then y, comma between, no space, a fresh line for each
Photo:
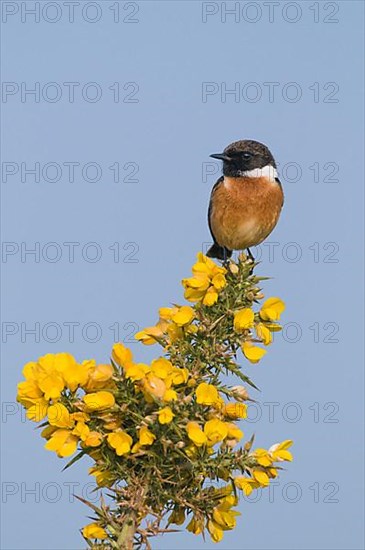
164,437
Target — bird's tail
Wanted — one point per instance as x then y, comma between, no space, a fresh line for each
219,252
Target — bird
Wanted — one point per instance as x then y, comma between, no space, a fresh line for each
246,202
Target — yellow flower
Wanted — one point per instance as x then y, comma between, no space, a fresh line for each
272,309
206,394
207,281
149,335
263,333
235,410
29,393
49,373
246,484
261,477
29,389
81,430
120,441
175,332
219,281
38,411
48,431
51,385
179,376
279,452
121,355
136,371
225,519
263,457
94,531
252,353
103,478
63,442
99,377
30,370
170,395
184,316
211,297
196,525
99,401
196,434
167,313
153,385
216,532
161,367
111,421
59,416
215,430
72,372
93,439
165,415
145,436
234,433
243,319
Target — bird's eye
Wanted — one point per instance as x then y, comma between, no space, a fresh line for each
247,156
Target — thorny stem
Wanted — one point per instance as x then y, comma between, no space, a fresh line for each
126,537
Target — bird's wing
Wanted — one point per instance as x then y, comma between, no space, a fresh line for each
210,204
279,182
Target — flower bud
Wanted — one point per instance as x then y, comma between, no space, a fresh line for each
240,393
233,268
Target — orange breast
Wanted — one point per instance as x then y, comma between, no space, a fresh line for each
244,211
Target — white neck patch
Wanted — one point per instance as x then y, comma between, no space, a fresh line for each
267,171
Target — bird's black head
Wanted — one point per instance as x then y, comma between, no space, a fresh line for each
244,156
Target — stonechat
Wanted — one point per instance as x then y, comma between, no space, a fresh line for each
246,202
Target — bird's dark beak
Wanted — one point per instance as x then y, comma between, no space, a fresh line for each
221,156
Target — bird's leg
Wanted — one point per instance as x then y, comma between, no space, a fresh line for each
225,258
250,255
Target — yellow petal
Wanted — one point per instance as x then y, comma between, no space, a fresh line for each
215,532
99,401
145,436
94,531
121,355
263,333
206,394
252,353
215,430
211,296
120,441
271,309
243,319
196,434
219,281
165,415
261,477
184,316
59,416
246,484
